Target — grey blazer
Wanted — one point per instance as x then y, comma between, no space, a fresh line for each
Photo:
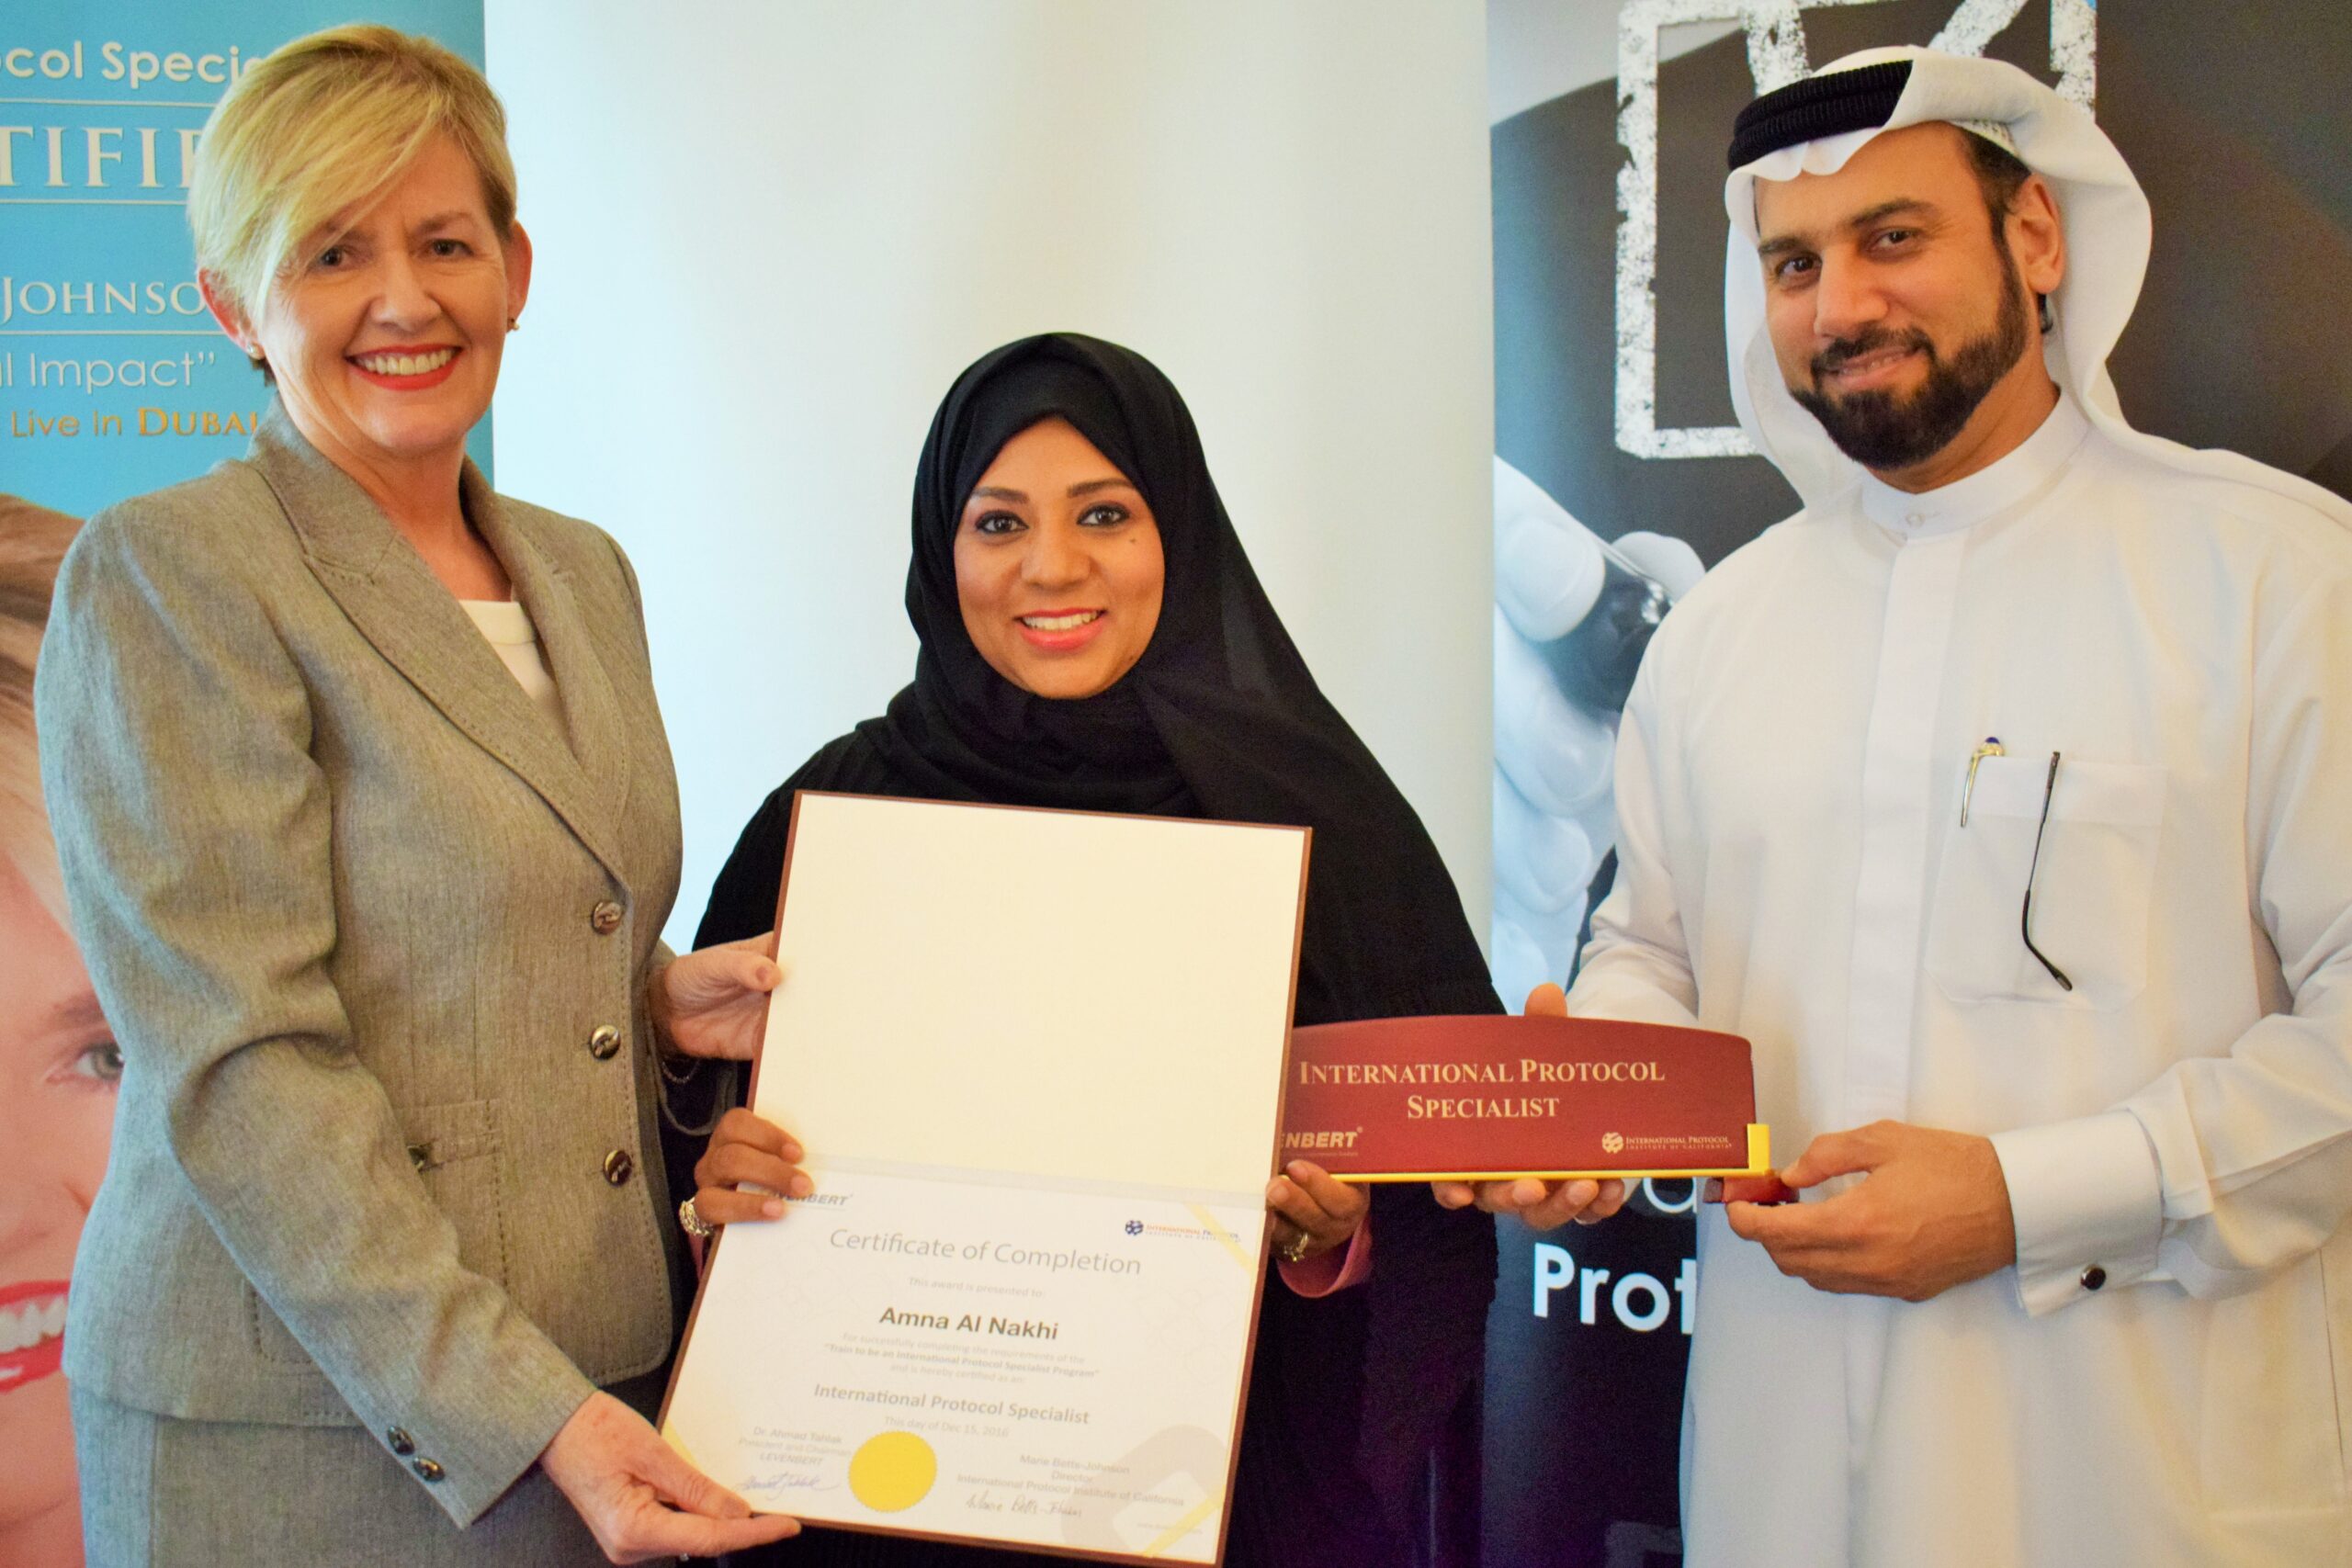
372,934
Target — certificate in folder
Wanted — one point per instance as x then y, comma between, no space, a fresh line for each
1036,1059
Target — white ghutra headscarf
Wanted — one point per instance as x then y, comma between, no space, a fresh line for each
2105,216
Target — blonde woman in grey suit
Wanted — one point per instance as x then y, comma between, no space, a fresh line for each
368,826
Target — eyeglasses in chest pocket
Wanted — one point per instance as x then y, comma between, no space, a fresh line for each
2090,886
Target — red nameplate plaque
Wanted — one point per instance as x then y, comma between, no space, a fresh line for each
1481,1097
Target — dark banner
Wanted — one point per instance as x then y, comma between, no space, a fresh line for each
1613,420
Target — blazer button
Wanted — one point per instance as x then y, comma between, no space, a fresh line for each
2094,1276
619,1166
605,917
605,1044
426,1469
402,1443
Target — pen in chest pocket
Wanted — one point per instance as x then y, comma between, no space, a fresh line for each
1992,747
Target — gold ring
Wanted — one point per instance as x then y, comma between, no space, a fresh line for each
1295,1249
693,1222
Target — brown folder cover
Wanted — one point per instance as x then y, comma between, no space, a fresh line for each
1417,1098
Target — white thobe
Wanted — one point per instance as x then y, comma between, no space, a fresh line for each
2166,1375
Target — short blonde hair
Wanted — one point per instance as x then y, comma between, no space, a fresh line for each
32,543
326,124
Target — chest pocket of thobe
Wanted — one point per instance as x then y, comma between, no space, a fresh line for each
2092,889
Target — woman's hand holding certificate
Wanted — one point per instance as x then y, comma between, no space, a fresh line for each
750,1168
714,1001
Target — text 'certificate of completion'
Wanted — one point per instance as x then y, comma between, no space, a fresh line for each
1037,1060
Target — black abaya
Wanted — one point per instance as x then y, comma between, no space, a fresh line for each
1353,1393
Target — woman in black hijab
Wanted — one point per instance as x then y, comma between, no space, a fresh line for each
1352,1393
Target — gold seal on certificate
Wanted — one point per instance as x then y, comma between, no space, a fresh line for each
1036,1059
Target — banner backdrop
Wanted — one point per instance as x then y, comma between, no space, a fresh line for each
1614,422
116,381
115,378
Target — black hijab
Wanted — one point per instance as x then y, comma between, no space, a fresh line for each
1218,718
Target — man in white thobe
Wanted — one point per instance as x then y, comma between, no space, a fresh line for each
2003,799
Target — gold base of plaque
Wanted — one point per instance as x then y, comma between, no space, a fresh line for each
1759,1164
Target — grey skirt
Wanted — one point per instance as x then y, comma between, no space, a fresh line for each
158,1492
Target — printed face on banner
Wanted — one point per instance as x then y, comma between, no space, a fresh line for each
1892,294
386,329
1058,568
58,1067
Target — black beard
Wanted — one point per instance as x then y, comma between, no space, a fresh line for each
1885,434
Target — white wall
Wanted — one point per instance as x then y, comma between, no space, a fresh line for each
769,235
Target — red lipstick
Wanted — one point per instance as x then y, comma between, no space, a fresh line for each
430,378
20,1369
1067,639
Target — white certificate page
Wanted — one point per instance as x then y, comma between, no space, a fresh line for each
1035,1059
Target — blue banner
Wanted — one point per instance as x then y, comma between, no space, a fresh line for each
115,380
113,375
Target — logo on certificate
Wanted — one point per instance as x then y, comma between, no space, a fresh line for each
1612,1142
1178,1233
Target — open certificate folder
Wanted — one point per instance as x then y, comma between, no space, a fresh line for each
1036,1059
